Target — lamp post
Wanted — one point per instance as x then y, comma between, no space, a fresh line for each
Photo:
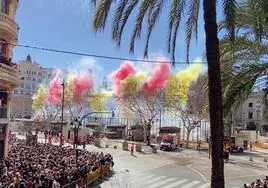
62,109
77,123
258,106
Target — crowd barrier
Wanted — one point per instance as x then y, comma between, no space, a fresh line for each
90,178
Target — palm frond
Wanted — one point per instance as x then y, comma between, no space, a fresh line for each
241,84
151,22
230,17
117,18
124,19
171,18
191,24
177,20
102,11
144,7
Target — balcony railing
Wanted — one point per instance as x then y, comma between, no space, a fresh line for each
9,22
3,112
9,74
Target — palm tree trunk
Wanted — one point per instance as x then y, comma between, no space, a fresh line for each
215,94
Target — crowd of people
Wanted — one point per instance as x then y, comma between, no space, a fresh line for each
258,183
46,166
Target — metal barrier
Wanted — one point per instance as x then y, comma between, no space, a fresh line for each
91,178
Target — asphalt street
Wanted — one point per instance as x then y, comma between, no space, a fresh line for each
182,169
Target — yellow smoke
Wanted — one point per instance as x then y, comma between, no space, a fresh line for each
39,99
132,84
97,101
68,92
179,83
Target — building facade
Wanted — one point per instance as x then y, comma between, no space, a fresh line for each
32,75
250,114
9,73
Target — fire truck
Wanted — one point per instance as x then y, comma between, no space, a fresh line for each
170,138
239,141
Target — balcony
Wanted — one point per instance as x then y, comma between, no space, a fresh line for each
3,113
9,76
8,25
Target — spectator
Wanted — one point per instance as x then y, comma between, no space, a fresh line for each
47,166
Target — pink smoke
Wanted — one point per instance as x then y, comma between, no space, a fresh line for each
122,73
55,91
82,82
157,80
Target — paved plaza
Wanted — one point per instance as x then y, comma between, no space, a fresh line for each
186,168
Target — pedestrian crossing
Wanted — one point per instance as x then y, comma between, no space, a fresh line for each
129,180
154,181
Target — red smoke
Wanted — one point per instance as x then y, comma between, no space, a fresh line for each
55,91
157,80
119,75
82,82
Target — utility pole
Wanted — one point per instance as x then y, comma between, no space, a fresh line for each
62,109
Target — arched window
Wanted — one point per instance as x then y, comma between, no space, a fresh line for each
4,6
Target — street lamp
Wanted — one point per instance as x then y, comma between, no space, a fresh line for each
258,106
62,109
76,125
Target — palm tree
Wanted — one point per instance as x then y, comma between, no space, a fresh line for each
248,50
152,10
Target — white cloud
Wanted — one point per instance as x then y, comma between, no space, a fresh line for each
149,66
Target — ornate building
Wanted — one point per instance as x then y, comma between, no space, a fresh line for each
9,73
32,75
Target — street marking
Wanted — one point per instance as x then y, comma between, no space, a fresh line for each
189,185
161,183
154,180
175,184
206,185
198,173
142,178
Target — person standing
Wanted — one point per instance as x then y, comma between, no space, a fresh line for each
132,149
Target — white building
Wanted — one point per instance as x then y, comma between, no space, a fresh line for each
32,75
249,114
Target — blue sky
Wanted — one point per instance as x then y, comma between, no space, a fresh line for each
66,25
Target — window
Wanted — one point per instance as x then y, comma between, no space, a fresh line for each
250,105
33,79
22,78
22,85
3,46
16,92
250,115
4,6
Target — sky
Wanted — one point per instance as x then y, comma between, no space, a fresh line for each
66,25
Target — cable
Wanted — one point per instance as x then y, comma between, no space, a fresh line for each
98,56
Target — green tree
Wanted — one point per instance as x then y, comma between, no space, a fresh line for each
249,50
152,10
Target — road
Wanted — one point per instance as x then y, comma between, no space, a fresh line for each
182,169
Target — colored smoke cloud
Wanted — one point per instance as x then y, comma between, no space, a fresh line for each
125,70
81,83
55,90
157,80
